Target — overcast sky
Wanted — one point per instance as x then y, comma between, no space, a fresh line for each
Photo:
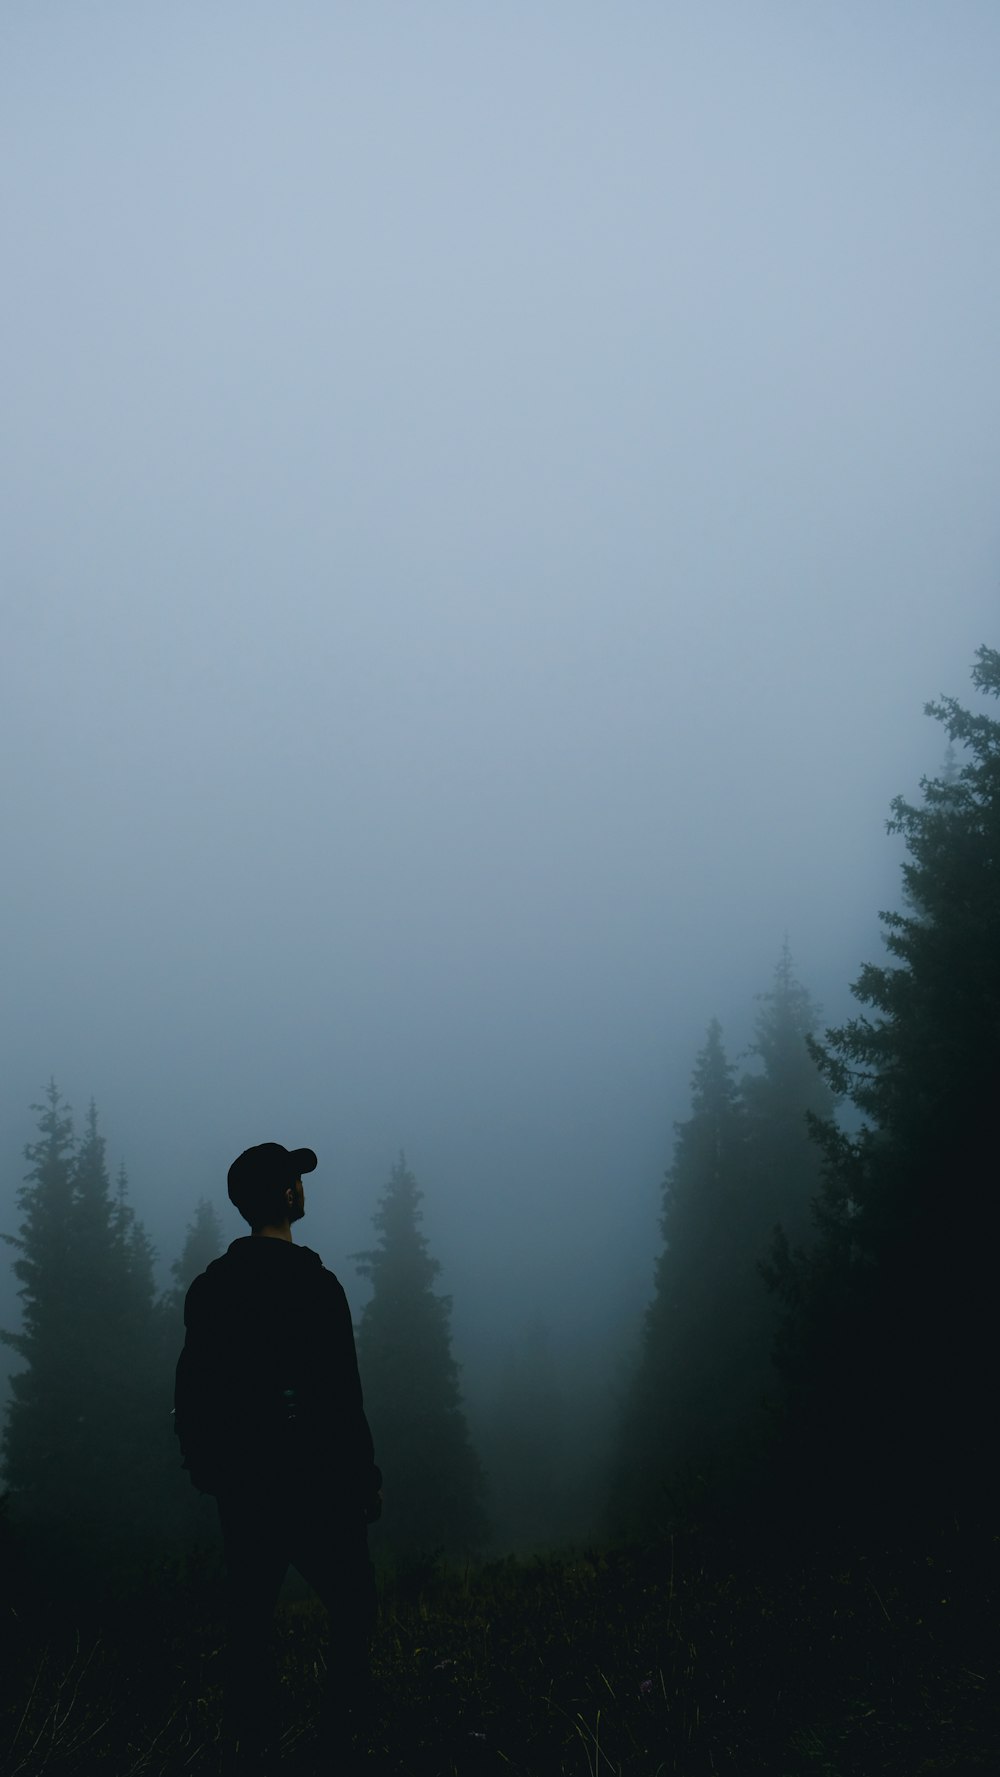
485,493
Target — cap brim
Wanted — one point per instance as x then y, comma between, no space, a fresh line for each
303,1160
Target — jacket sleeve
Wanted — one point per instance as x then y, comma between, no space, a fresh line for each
196,1394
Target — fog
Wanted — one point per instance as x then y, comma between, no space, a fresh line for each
486,494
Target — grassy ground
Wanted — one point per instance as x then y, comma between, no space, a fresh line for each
686,1660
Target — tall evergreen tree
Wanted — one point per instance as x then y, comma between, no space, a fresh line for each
681,1406
80,1435
98,1271
743,1160
434,1484
137,1403
97,1259
202,1244
783,1099
136,1253
44,1394
890,1331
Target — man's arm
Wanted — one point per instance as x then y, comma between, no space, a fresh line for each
196,1403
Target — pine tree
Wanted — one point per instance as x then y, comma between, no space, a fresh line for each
98,1272
783,1101
890,1327
703,1402
37,1440
202,1244
685,1401
80,1436
137,1398
94,1248
434,1484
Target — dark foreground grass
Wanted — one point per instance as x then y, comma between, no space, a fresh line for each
683,1660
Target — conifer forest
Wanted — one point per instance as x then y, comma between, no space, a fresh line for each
808,1424
500,781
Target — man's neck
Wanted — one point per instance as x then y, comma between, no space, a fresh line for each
283,1232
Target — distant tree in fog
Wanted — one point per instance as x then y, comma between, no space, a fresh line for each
81,1428
743,1160
681,1392
782,1101
434,1483
138,1407
202,1244
37,1437
889,1341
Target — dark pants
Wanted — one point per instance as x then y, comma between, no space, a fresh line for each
264,1531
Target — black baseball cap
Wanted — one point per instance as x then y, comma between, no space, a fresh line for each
265,1166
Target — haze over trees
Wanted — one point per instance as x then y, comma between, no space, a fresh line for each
742,1164
821,1321
82,1443
486,493
37,1435
435,1487
888,1344
881,1399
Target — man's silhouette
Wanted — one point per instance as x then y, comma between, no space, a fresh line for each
270,1419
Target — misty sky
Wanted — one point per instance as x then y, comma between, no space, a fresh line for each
486,493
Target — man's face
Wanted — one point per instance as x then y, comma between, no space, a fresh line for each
296,1200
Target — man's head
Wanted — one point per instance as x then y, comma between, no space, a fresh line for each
265,1183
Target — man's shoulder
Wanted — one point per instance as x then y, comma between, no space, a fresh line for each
255,1264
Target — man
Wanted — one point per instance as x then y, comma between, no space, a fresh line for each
270,1418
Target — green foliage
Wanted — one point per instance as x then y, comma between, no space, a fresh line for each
81,1431
684,1395
783,1100
202,1244
45,1393
688,1661
889,1332
671,1405
742,1161
434,1485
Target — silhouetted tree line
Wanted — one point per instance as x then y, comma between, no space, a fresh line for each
703,1396
434,1480
821,1335
888,1342
91,1467
88,1453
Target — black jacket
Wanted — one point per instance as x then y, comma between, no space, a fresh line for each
267,1388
